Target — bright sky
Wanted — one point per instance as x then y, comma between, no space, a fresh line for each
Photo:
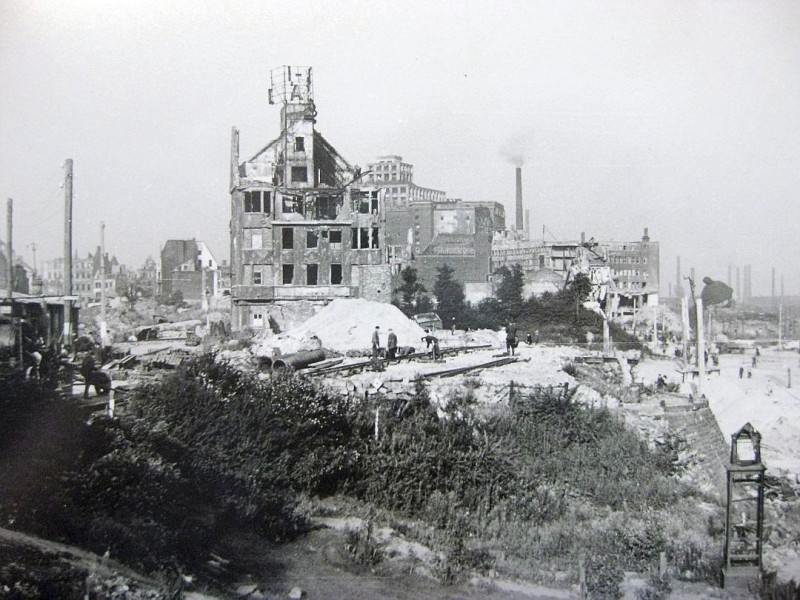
683,117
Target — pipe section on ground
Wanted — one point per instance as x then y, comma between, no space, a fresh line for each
298,360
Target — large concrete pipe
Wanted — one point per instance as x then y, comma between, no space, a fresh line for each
298,360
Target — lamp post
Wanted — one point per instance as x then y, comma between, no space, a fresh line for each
744,522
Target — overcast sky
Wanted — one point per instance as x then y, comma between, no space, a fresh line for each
682,117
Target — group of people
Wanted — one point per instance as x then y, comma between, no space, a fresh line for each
431,344
753,364
391,344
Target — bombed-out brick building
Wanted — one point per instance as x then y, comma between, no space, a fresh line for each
634,265
425,229
458,234
188,267
303,224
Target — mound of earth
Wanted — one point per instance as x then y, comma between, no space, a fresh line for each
342,325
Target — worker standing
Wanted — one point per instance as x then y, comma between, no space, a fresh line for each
391,345
376,341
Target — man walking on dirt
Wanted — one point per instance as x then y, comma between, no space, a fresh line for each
511,337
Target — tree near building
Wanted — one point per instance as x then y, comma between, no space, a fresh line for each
509,290
450,297
409,290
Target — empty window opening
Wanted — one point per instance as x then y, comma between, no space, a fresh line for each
336,274
300,174
328,206
374,240
335,237
252,202
363,203
287,238
256,201
299,144
288,274
312,239
291,204
363,241
257,277
311,274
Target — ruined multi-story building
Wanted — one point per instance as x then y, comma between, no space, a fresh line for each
634,266
89,276
188,267
303,225
426,230
458,234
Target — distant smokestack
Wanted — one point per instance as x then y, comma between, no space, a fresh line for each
738,285
678,280
520,224
527,224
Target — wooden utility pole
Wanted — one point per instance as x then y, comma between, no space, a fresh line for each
655,329
103,327
68,325
685,330
10,257
701,359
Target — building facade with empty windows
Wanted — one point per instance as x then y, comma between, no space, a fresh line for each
304,227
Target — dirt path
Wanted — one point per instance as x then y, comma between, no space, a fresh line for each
318,564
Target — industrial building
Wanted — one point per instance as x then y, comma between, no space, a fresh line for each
304,226
426,230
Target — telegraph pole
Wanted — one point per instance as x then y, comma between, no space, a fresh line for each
10,261
103,327
32,246
68,252
701,358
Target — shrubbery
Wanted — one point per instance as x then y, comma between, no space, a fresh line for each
211,447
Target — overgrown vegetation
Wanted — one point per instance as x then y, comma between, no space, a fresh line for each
529,487
559,317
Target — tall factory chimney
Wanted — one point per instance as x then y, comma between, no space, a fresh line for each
520,224
527,224
738,286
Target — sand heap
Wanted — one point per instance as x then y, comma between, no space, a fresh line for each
344,325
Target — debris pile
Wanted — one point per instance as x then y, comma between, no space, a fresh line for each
344,325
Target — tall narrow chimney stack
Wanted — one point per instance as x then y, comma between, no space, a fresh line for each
520,224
